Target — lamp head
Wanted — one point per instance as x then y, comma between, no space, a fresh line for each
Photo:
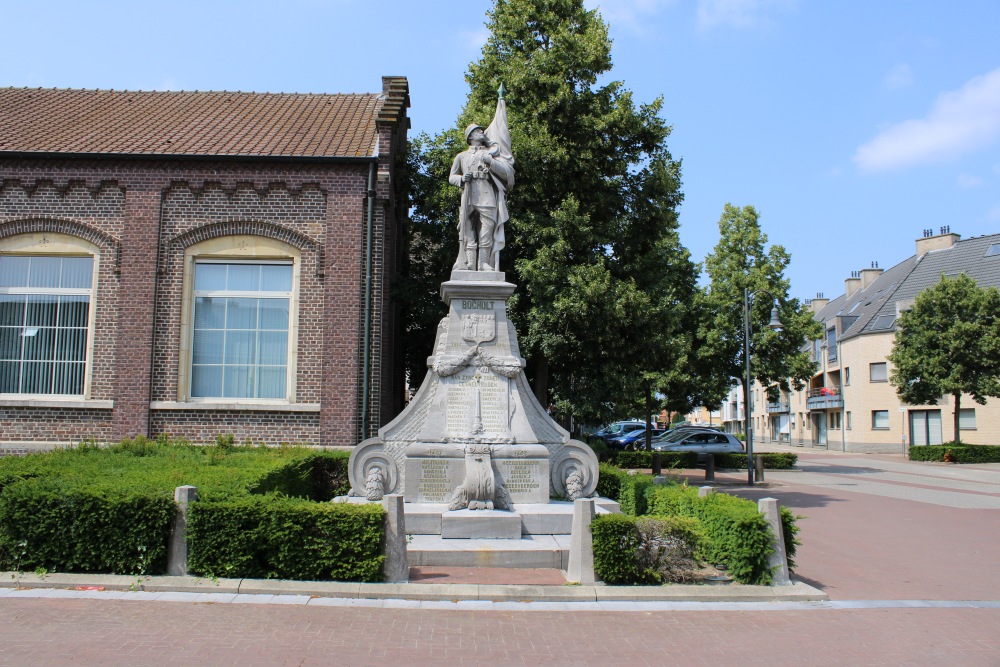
775,323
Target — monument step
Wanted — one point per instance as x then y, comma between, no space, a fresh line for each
553,518
531,551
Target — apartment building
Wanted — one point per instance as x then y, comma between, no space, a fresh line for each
849,404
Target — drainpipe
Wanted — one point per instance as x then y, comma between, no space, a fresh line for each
366,373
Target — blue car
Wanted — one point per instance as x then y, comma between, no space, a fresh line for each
632,440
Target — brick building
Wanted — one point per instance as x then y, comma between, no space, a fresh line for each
199,263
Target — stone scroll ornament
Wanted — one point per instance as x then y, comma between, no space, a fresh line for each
481,490
378,470
572,473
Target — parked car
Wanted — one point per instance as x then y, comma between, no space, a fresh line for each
614,430
703,442
635,439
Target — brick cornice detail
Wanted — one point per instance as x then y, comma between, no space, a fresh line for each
38,224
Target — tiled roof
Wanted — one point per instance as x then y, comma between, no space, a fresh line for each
874,309
111,122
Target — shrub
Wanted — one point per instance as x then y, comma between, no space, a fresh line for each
629,491
772,460
109,509
286,538
600,448
739,536
959,453
668,460
645,550
63,528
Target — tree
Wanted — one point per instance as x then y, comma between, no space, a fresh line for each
592,240
739,262
949,343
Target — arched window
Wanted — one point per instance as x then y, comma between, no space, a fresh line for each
47,292
239,321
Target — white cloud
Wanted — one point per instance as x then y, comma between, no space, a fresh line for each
960,121
629,14
968,181
473,40
900,76
738,13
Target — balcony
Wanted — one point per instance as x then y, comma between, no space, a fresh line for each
778,407
824,398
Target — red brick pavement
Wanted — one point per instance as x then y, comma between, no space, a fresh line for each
137,634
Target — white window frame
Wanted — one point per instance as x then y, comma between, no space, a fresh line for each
887,423
966,419
237,249
871,368
52,244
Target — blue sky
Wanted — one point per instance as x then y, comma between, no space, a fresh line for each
850,125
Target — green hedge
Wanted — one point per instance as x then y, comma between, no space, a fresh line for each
109,509
624,554
738,534
772,460
960,453
286,538
628,490
61,527
668,460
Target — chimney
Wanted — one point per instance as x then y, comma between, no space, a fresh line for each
945,239
819,303
868,276
852,284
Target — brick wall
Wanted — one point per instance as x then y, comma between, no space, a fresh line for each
142,214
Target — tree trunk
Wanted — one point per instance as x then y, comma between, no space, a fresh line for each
958,406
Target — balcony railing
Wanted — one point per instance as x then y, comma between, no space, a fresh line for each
824,398
778,407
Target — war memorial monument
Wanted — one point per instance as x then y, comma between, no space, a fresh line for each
474,454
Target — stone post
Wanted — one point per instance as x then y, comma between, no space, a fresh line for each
177,548
704,491
396,567
779,559
581,543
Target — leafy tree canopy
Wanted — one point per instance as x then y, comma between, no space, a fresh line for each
740,261
605,286
949,343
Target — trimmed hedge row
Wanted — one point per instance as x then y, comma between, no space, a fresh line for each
286,538
627,489
738,535
47,523
956,452
645,550
687,460
109,509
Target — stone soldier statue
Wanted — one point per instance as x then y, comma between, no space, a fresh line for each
485,172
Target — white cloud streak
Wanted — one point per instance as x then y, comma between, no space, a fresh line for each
899,77
960,121
745,14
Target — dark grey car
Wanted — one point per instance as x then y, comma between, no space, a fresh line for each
701,442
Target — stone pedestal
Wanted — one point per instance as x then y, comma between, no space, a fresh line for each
474,439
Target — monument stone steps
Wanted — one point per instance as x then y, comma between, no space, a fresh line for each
553,518
529,552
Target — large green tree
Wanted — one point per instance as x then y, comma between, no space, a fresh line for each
741,261
605,285
948,343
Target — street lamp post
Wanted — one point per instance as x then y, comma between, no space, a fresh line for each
775,325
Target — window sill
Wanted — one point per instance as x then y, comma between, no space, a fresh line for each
52,402
242,406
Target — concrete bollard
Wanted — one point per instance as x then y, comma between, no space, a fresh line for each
758,465
779,559
657,464
177,548
581,543
705,490
710,468
396,567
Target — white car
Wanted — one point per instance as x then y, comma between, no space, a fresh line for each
700,442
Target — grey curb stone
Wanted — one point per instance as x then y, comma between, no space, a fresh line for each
796,592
